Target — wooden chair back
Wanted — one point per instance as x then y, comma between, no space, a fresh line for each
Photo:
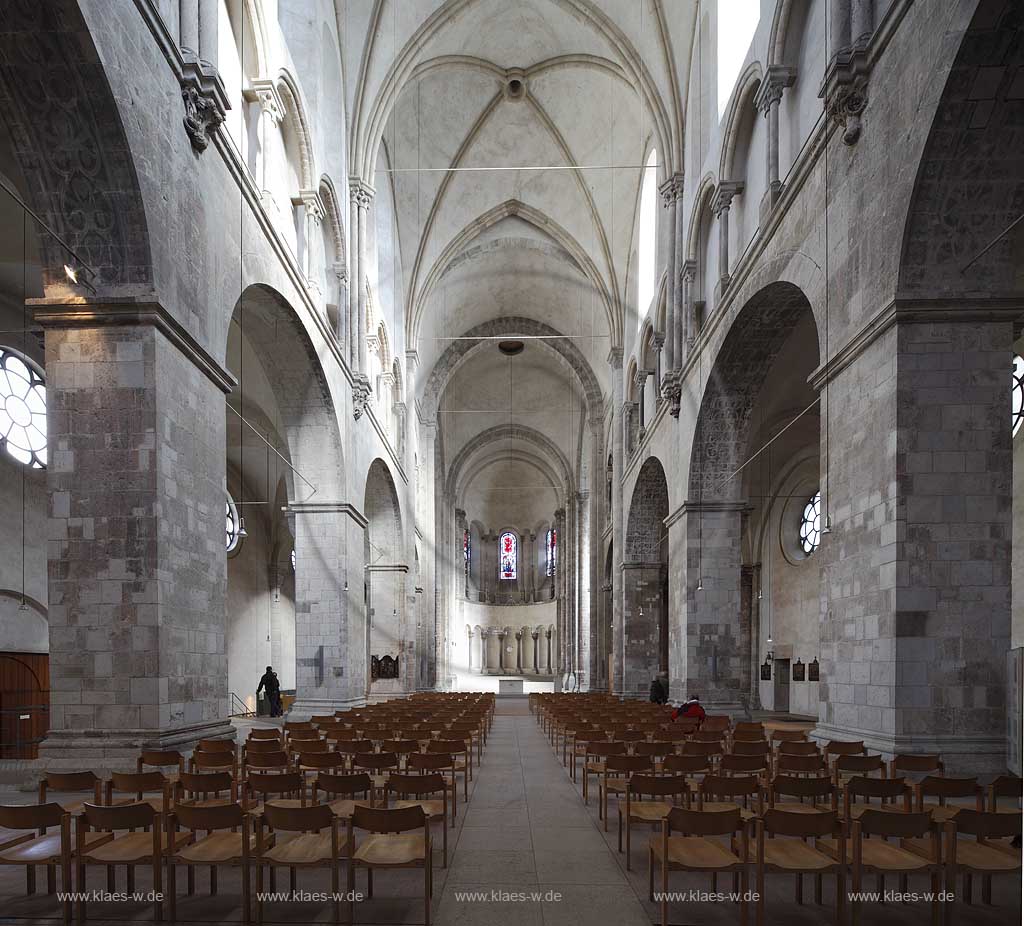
845,748
71,782
704,822
798,748
205,784
393,820
756,747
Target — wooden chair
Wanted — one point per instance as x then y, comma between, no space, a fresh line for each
217,746
320,719
695,849
593,761
615,779
160,759
462,756
71,782
418,786
836,748
710,736
636,810
709,750
692,768
744,765
277,761
201,761
794,855
258,785
753,747
892,796
799,747
1005,786
900,765
402,748
812,766
195,789
353,748
379,765
823,794
228,843
294,725
321,762
265,733
854,764
716,723
789,736
427,763
51,849
983,855
348,786
130,848
944,789
389,845
139,785
311,848
308,746
883,858
740,793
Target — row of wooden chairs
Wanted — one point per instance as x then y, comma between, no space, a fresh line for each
718,841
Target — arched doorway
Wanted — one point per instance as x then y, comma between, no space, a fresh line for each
390,647
645,581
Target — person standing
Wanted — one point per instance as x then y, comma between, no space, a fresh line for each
272,686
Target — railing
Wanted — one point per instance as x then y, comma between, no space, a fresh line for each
239,708
24,722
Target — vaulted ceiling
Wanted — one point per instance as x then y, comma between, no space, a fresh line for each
514,135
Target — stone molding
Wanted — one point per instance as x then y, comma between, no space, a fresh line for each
388,567
98,312
724,193
688,507
263,90
938,310
777,79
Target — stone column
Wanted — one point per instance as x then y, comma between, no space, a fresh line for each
564,599
355,274
618,407
640,380
755,639
136,563
913,658
670,201
679,351
469,636
501,650
341,330
188,28
361,195
519,652
727,189
658,342
208,22
715,659
536,651
547,637
769,95
460,539
272,111
483,650
531,566
313,215
689,277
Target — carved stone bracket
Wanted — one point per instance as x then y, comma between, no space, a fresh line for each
360,395
845,90
263,90
672,389
206,102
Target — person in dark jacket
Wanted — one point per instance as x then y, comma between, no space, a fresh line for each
270,683
659,690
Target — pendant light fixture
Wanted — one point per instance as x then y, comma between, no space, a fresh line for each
24,345
826,527
242,532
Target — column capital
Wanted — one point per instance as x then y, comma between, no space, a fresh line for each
672,189
724,193
263,90
559,514
340,271
615,358
658,340
460,515
689,269
360,193
313,204
778,78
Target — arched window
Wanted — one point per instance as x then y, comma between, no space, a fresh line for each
552,550
734,39
22,409
231,514
293,559
1018,392
466,551
647,239
810,524
508,556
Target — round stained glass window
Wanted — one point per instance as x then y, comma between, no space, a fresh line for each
22,409
1018,392
810,525
232,524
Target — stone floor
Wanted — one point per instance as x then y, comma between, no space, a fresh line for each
527,833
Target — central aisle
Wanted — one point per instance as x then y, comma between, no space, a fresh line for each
526,830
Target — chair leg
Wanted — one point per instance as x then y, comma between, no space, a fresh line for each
172,891
335,886
80,912
986,889
426,892
369,883
799,889
292,884
51,879
968,887
30,879
130,877
111,879
759,908
190,871
650,874
259,892
213,880
817,889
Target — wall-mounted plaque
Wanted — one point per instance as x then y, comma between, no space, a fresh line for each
798,671
812,671
766,671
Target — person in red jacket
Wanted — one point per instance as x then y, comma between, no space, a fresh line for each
691,708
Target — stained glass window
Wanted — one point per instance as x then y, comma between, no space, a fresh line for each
552,551
466,552
1018,392
508,560
810,525
22,410
293,559
232,524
